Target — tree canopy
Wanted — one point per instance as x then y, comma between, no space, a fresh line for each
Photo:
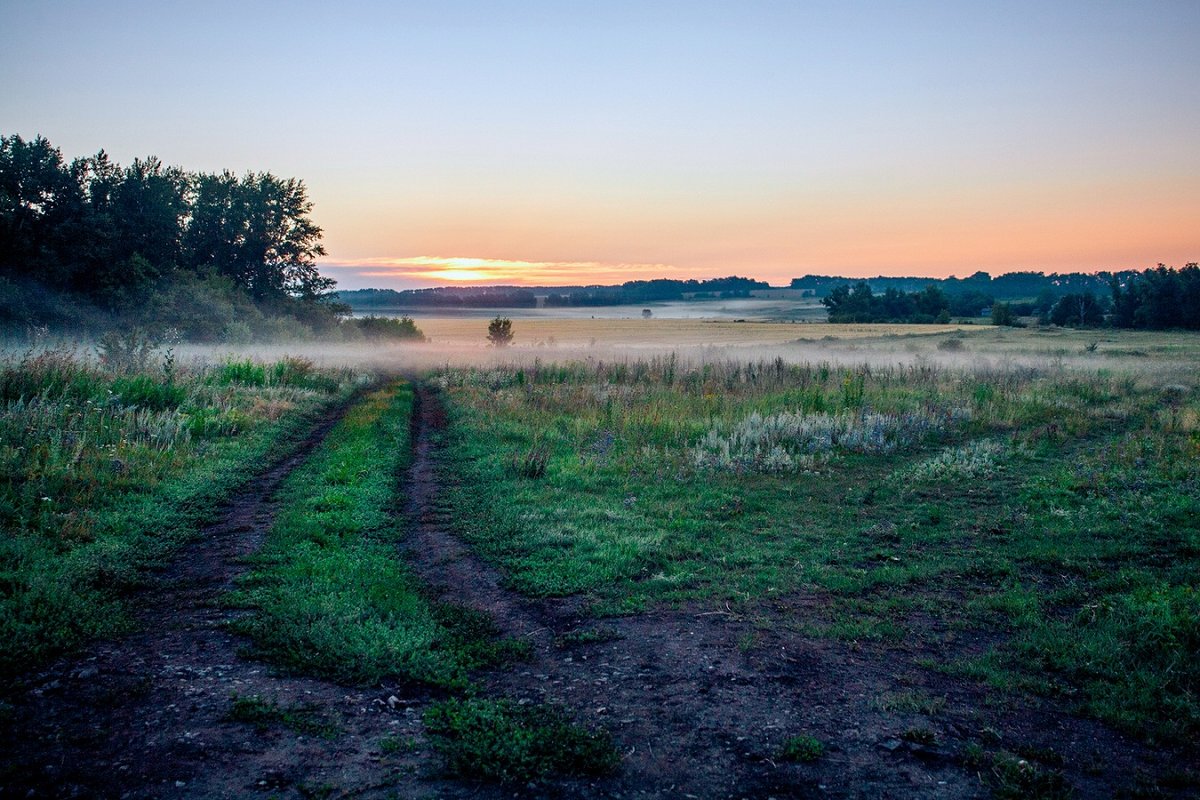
1158,298
860,304
115,236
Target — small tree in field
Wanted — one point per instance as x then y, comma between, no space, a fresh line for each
500,332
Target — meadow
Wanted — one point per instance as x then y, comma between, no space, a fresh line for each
1055,507
110,463
982,527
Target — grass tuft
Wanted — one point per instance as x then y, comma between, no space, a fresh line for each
801,749
504,741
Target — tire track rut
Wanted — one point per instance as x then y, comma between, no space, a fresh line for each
146,715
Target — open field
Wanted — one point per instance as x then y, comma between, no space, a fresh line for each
708,559
653,333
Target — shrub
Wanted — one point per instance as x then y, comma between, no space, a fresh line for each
978,459
245,372
953,344
145,392
300,373
56,374
126,352
787,441
400,328
500,332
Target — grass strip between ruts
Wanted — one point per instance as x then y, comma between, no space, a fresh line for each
329,594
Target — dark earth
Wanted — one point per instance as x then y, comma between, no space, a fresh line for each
698,700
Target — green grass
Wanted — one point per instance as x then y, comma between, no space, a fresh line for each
264,714
504,741
1058,510
106,471
329,593
801,749
1012,778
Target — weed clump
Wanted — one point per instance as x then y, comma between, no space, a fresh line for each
504,741
801,749
530,464
792,441
1018,779
977,459
263,714
394,328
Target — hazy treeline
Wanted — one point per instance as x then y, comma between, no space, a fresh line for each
628,293
1157,298
860,304
88,243
983,286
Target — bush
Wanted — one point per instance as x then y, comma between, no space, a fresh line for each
145,392
245,372
55,374
951,345
500,332
400,328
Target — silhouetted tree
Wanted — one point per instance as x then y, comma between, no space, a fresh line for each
1157,298
859,304
1002,314
1078,310
117,236
500,332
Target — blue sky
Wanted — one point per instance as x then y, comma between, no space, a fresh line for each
570,142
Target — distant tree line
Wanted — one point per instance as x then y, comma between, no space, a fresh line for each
628,293
981,288
89,241
1157,298
860,304
1027,293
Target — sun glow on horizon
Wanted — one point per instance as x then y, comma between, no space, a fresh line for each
462,269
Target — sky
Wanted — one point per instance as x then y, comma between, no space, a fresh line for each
564,142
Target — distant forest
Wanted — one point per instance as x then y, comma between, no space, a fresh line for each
90,245
628,293
1157,298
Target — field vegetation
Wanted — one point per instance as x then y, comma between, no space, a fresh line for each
1015,511
110,463
328,594
1056,509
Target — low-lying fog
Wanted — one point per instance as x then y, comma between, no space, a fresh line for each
1157,358
749,308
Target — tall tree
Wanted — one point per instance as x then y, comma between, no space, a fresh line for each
282,243
257,232
38,198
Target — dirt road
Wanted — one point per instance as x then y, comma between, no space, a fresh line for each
698,700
